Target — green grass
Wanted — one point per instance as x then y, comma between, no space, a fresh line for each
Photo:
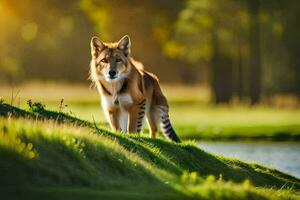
192,115
194,121
236,122
52,155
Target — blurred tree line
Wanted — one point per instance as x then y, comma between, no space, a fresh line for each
247,49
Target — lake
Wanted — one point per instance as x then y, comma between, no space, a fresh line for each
283,156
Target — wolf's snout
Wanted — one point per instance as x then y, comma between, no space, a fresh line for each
112,73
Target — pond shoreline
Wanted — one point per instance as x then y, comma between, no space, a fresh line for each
243,135
270,154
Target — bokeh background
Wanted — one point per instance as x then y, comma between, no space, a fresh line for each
248,49
230,68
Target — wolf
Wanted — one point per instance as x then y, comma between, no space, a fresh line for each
128,92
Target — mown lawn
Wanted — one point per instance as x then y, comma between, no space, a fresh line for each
52,155
200,122
194,121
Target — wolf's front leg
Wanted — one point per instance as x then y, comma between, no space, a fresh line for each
136,116
113,118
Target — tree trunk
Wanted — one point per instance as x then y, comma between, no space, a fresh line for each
222,76
255,55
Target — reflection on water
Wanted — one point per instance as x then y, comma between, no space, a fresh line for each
282,156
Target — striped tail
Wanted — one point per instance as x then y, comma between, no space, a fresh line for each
166,126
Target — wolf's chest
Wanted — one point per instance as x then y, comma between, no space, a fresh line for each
121,100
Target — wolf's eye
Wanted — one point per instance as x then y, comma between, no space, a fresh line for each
104,60
118,60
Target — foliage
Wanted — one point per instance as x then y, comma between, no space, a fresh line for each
235,41
211,42
35,106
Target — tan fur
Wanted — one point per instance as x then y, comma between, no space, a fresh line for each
133,94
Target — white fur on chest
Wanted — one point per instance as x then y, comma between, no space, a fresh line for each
125,100
119,101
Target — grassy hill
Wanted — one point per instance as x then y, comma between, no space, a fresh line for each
52,155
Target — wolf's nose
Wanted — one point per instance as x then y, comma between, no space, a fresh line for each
112,73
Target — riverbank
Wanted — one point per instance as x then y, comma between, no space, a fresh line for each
270,154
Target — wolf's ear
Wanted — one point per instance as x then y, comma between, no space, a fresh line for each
96,46
124,45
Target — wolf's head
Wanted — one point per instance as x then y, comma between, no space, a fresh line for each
110,61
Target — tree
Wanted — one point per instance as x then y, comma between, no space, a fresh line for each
255,54
205,34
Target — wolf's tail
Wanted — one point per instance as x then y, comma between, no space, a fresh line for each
166,126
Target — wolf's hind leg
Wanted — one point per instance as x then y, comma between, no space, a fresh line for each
152,118
136,117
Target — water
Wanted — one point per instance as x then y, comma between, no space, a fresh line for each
282,156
